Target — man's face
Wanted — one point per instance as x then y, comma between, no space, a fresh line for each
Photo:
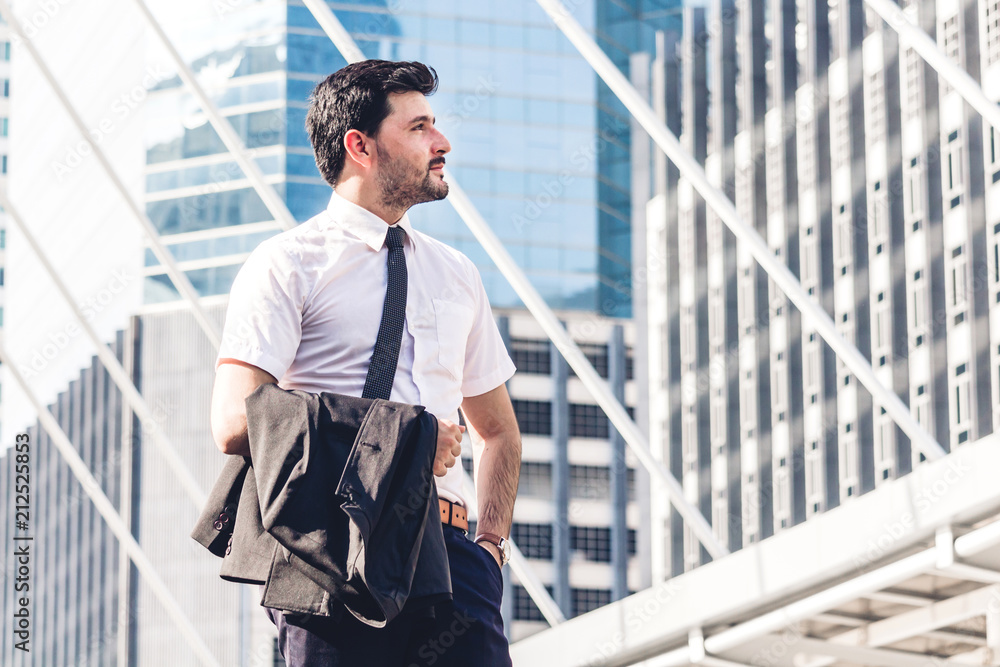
409,165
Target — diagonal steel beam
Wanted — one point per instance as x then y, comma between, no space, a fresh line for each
910,34
179,279
93,489
114,368
600,389
274,203
747,235
866,655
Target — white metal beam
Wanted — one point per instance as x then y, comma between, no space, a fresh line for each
747,235
863,655
911,35
546,318
971,573
894,597
114,368
834,596
978,540
179,279
93,490
713,661
918,621
274,203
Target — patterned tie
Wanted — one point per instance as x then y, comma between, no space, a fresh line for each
382,368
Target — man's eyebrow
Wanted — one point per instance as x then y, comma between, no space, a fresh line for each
422,119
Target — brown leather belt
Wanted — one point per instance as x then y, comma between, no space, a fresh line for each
453,514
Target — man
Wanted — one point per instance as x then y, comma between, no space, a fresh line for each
314,306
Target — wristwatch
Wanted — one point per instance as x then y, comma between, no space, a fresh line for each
502,544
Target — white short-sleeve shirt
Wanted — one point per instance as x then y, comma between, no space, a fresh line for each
307,304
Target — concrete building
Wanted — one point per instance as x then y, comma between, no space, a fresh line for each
78,577
876,185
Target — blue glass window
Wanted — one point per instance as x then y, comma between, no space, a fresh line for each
302,165
204,249
204,174
509,109
507,36
301,17
261,128
250,93
442,29
313,54
299,90
297,135
208,211
207,282
543,39
305,200
476,33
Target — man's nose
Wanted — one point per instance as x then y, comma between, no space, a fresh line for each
441,144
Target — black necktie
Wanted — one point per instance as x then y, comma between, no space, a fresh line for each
382,368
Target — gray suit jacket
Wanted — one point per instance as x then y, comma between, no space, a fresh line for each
336,504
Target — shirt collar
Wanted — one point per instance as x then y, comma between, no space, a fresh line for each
362,223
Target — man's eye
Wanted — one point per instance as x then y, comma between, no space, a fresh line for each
419,127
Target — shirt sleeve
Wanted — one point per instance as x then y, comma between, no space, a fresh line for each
487,364
264,318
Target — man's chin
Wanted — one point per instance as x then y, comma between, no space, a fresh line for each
437,191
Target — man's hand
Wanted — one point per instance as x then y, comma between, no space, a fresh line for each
493,549
449,446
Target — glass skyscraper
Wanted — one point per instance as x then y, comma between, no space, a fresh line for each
539,143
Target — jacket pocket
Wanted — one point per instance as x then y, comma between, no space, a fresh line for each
453,322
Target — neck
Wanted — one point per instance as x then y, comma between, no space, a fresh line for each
366,196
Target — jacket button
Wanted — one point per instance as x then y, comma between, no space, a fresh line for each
218,525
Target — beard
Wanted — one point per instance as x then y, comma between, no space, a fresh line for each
400,185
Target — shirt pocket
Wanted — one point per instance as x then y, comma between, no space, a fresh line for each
453,322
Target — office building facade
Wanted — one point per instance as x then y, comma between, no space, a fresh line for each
877,186
76,574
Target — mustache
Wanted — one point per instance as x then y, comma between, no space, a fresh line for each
435,162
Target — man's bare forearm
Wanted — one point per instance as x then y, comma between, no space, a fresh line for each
496,483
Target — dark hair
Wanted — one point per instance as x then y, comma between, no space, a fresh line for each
356,97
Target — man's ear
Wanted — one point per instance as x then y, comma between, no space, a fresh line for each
359,148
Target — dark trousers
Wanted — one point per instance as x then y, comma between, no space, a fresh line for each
464,632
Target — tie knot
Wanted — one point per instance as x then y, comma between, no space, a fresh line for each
394,238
